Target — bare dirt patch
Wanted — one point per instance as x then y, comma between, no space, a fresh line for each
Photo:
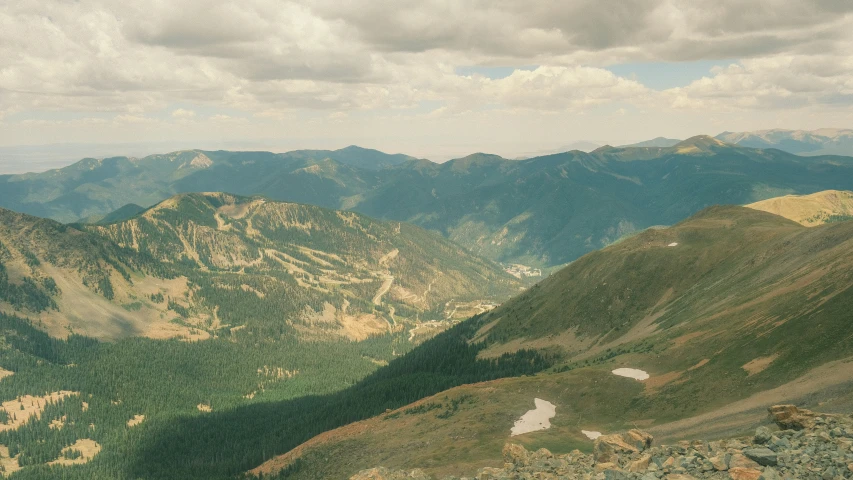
759,364
85,449
701,364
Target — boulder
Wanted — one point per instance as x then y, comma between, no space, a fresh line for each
516,454
738,460
789,416
719,462
607,448
641,465
762,435
761,455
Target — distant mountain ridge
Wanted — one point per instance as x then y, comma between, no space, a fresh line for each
655,142
824,141
538,212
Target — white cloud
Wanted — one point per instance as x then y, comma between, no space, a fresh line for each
183,114
778,82
286,61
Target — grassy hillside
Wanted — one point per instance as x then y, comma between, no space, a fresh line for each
810,210
542,211
729,311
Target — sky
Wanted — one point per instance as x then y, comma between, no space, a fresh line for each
436,79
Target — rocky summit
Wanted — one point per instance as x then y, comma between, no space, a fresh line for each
805,445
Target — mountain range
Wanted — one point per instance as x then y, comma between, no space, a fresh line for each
824,141
541,212
170,329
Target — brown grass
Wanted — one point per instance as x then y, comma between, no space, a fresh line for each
88,449
21,409
136,420
809,210
8,465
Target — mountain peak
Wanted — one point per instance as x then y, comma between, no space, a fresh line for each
698,144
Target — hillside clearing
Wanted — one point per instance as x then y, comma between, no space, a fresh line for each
85,449
21,409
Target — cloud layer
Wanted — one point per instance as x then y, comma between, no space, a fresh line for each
271,59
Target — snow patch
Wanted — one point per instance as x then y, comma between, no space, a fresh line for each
534,420
591,434
631,373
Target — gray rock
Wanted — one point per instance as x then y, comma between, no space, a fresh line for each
761,455
762,435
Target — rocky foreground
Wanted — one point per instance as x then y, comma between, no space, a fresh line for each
807,446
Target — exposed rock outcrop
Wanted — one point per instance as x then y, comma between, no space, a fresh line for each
807,446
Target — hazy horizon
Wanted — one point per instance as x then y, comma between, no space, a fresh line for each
430,79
